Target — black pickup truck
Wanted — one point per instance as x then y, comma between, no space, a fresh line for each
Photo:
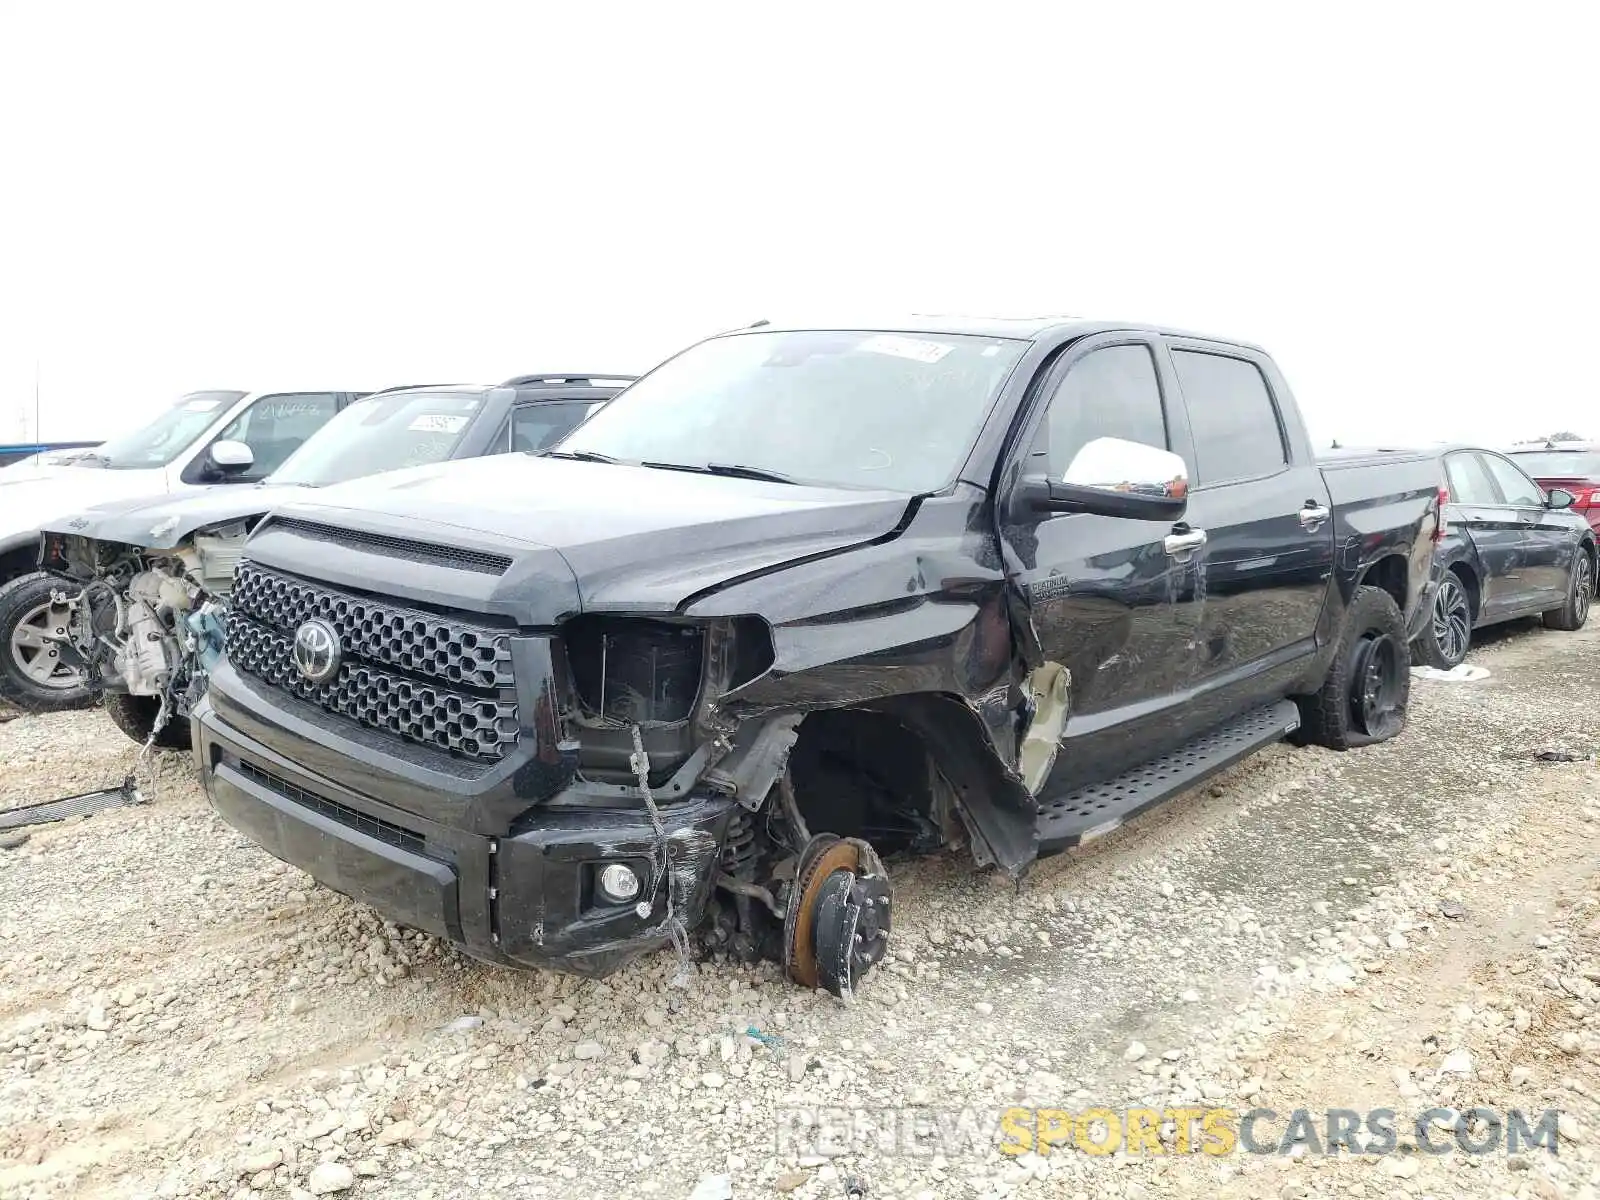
798,600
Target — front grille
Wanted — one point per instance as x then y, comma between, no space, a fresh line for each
426,552
428,653
414,641
384,831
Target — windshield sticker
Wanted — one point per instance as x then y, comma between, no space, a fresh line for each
286,410
202,405
437,423
904,347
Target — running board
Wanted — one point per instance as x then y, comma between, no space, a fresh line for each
1097,809
71,806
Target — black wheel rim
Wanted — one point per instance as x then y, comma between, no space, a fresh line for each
1375,683
1582,587
1452,621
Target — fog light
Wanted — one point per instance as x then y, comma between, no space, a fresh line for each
619,883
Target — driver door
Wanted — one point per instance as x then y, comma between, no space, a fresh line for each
1112,598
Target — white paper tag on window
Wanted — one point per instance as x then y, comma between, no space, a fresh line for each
287,410
904,347
437,423
201,405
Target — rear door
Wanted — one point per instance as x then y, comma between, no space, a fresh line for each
1547,536
1263,577
1476,511
1106,596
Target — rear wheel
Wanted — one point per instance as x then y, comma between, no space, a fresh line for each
136,717
34,673
1364,695
1445,641
1580,590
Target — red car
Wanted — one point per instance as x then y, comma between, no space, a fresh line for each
1571,466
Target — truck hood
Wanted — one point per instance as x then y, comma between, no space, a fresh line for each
632,538
36,498
163,522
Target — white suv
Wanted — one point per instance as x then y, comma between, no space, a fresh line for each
203,440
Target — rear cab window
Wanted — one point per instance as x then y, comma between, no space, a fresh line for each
1238,433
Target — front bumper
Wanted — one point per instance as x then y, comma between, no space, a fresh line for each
527,898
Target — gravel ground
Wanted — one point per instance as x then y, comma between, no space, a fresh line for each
1416,925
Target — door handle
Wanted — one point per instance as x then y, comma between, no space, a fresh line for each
1313,515
1184,543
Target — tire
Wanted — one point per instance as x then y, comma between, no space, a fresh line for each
136,716
1448,636
1363,697
28,622
1580,591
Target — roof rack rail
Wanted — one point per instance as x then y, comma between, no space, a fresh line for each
568,377
405,387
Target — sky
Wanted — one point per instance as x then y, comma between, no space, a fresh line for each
1396,200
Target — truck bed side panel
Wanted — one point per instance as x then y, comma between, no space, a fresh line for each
1384,507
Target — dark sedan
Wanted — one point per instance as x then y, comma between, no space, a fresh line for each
1511,549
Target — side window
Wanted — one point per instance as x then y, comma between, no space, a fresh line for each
1237,434
540,426
275,426
1107,393
1469,480
1516,487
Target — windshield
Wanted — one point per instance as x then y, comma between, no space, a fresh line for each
1559,464
382,433
846,409
169,435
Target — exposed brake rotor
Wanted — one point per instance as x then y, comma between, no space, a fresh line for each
836,924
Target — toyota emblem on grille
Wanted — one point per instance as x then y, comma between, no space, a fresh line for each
316,651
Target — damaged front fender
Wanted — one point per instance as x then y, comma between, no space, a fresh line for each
939,659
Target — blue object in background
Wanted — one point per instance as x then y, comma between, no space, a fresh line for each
208,631
16,452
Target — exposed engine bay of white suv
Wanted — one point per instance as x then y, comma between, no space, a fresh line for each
148,622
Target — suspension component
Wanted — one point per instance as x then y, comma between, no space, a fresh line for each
739,849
